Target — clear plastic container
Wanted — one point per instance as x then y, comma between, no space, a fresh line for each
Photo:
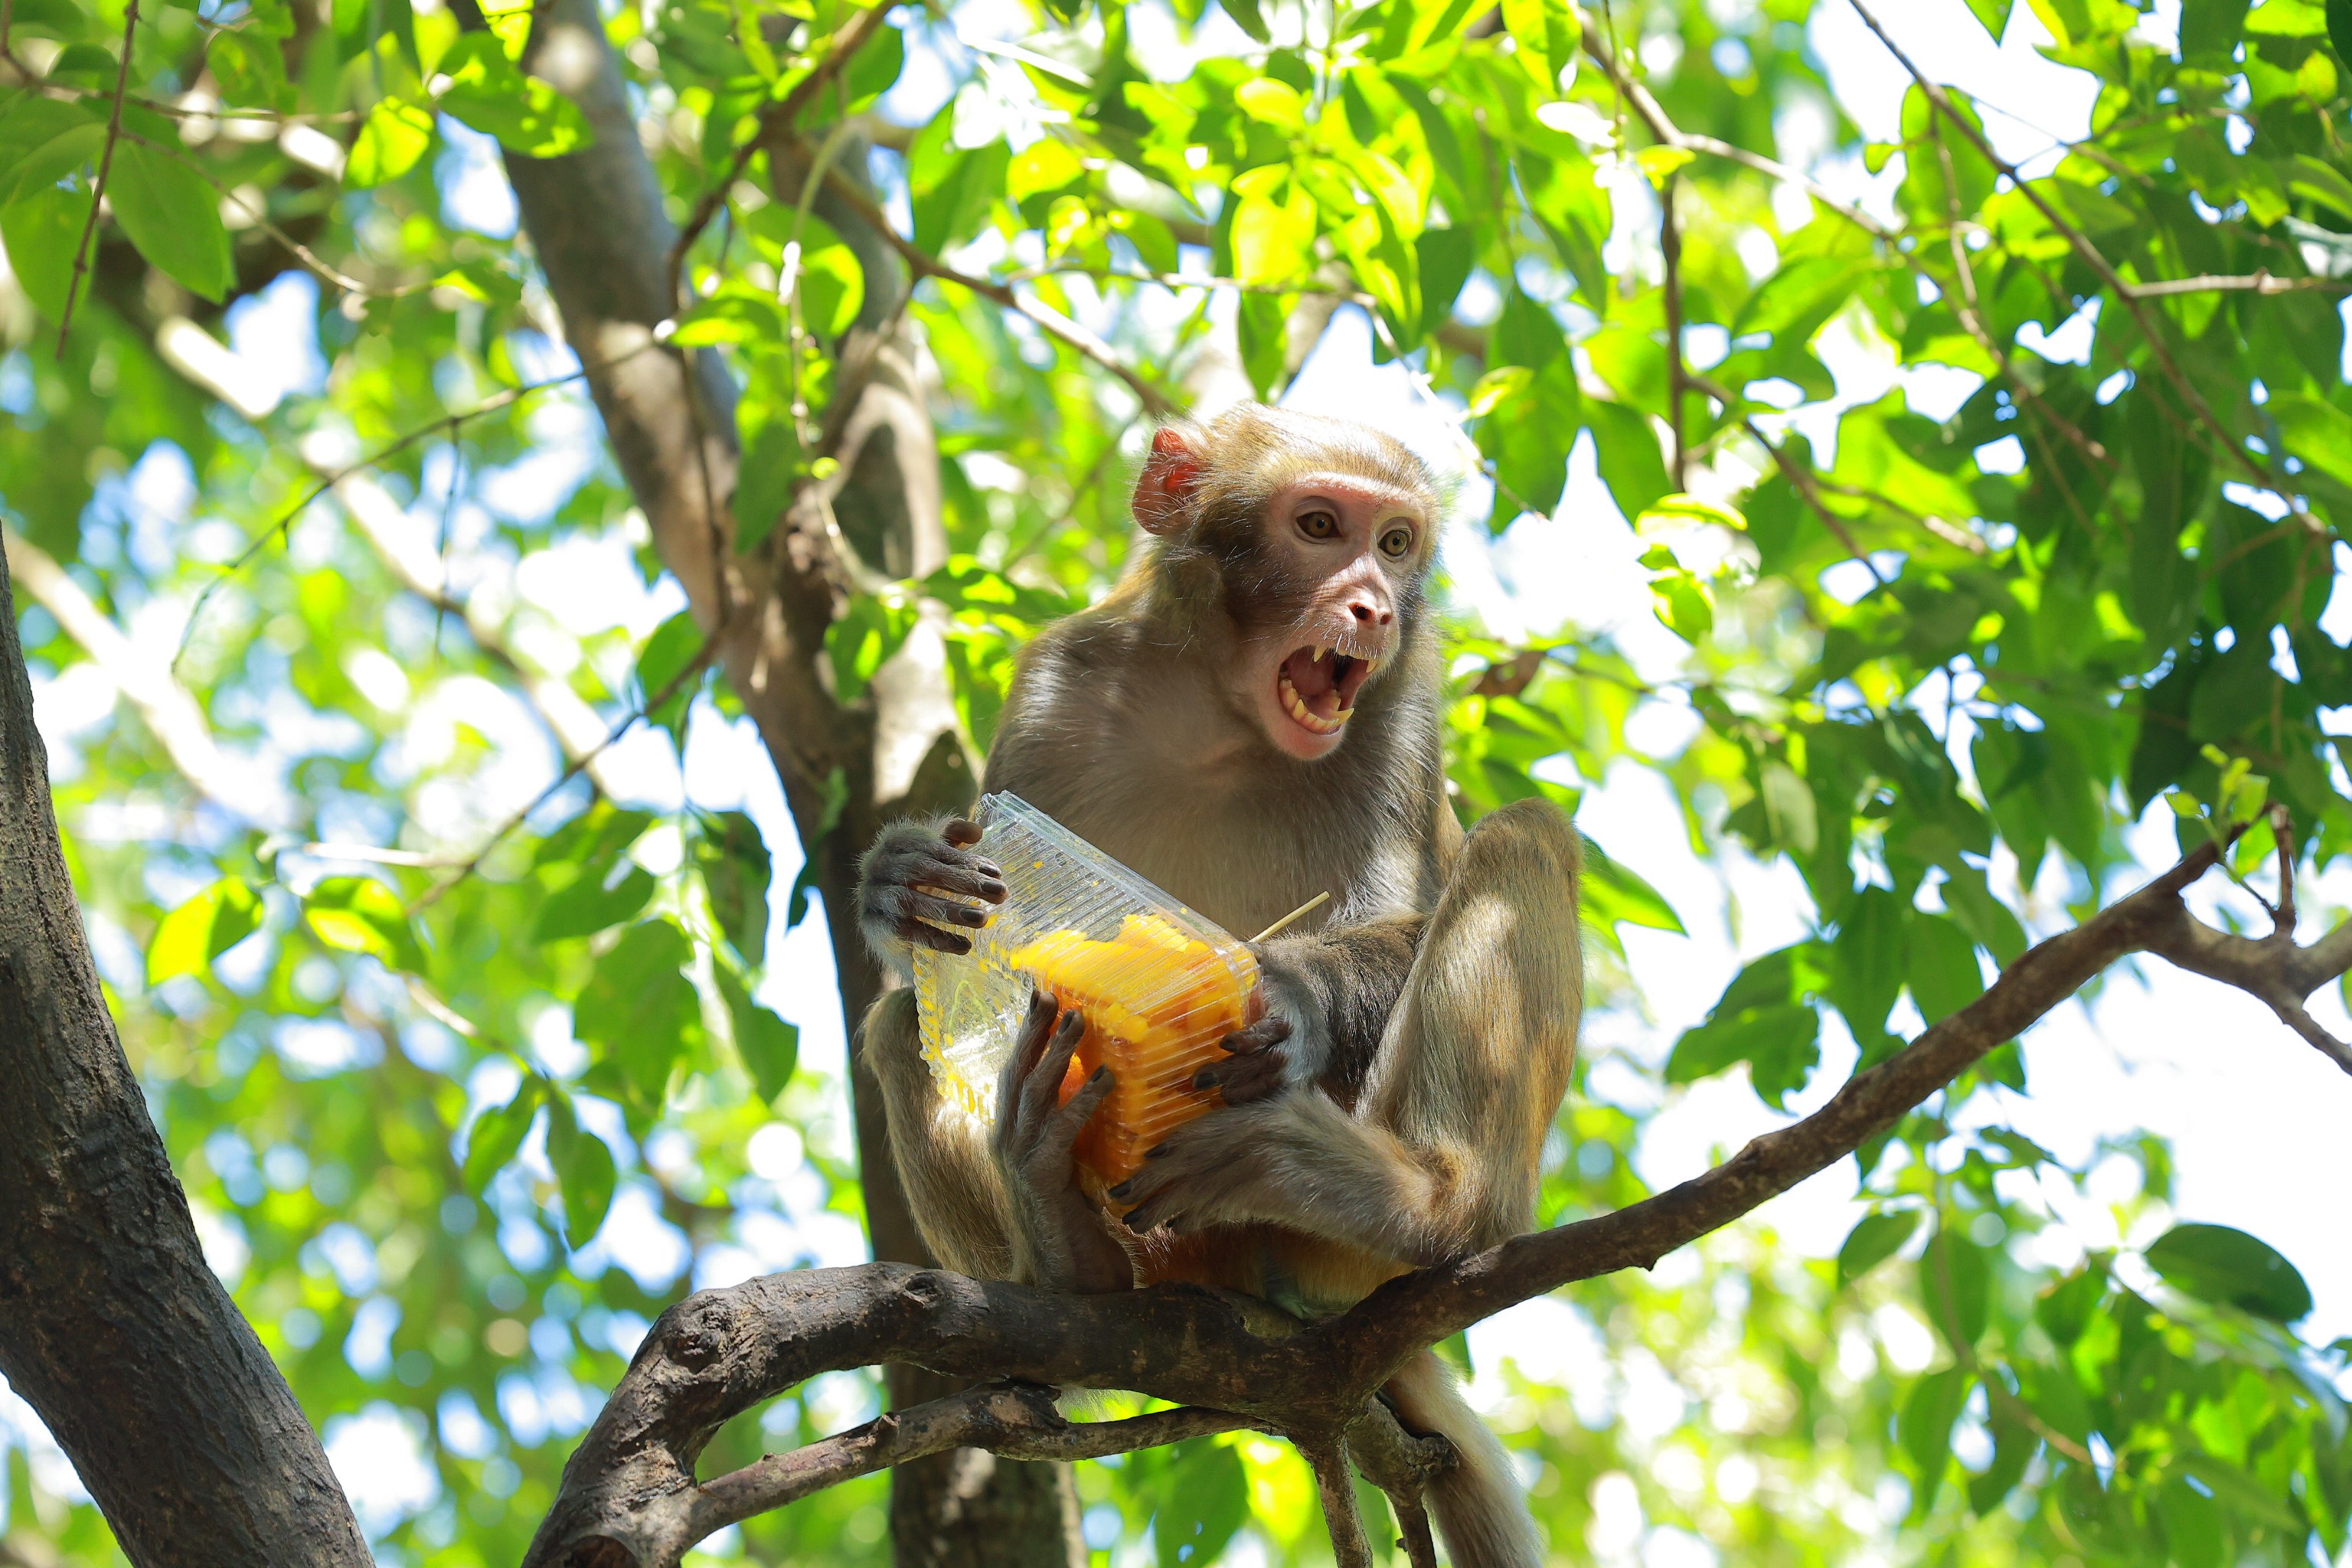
1158,985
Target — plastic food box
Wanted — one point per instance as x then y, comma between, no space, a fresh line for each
1158,985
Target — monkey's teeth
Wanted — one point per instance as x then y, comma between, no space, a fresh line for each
1371,667
1320,650
1289,697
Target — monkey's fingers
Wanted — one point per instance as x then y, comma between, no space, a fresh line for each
1267,1031
1036,1028
1052,1155
961,832
952,877
1245,1078
1044,1085
922,935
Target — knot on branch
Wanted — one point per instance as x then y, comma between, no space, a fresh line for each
695,1333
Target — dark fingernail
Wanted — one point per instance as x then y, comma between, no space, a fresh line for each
1119,1191
1155,1151
1074,1021
1137,1225
1100,1073
974,917
1205,1079
990,869
995,892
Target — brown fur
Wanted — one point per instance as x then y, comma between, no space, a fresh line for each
1435,1010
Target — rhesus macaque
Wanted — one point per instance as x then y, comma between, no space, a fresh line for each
1250,719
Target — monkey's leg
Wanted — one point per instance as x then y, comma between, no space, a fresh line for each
1439,1157
951,1183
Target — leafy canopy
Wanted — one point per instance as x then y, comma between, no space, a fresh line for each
1936,662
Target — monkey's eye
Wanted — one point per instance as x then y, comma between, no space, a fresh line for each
1396,542
1317,524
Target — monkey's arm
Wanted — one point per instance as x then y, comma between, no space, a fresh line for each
1328,997
899,879
940,1152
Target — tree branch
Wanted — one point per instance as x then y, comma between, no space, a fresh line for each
722,1352
105,168
1054,323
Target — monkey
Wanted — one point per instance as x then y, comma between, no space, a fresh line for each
1252,716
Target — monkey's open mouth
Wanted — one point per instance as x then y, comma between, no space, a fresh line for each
1318,687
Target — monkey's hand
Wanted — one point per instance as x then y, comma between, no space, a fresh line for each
1061,1240
1258,1064
899,881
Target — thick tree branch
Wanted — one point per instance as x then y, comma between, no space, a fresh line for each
721,1352
111,1324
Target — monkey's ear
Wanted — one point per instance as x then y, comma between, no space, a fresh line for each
1163,491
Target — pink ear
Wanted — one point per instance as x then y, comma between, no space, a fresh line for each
1164,489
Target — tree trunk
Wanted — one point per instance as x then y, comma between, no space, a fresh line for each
597,222
111,1324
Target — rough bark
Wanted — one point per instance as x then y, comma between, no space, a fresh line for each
597,222
111,1324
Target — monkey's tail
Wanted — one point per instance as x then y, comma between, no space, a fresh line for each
1479,1506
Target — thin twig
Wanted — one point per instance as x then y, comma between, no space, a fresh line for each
1798,475
105,167
329,481
1670,242
578,766
1055,324
2093,257
327,271
2260,281
777,116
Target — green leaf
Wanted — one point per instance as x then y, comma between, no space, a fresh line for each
498,1133
1547,36
488,92
250,68
1956,1282
2209,29
1943,973
736,871
638,1011
2013,1444
1877,1237
833,290
1993,14
770,1047
2339,28
41,229
1925,1428
1251,19
1611,892
77,143
359,915
2215,1263
583,1173
1764,1018
668,654
587,906
1869,956
172,216
863,638
189,938
1197,1493
391,140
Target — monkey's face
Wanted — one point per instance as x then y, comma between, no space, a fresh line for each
1339,562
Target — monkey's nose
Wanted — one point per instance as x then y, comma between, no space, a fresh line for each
1370,615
